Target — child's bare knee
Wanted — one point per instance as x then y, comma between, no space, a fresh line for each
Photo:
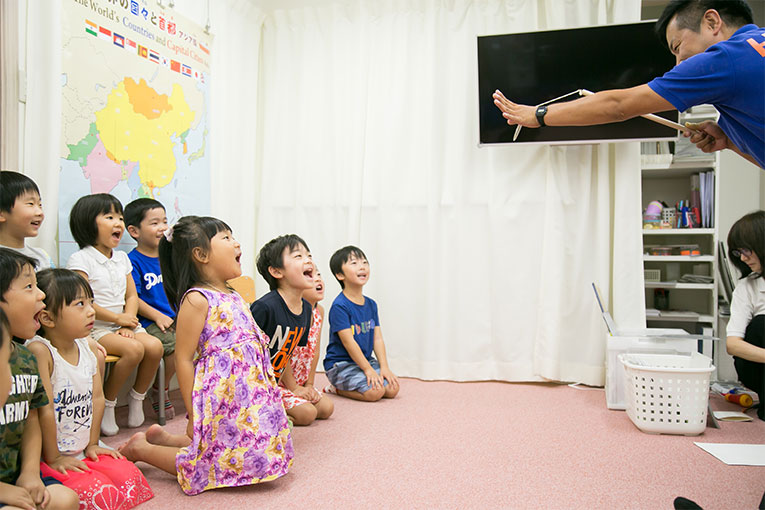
391,392
62,498
373,394
324,408
304,414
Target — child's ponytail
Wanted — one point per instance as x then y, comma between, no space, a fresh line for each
176,254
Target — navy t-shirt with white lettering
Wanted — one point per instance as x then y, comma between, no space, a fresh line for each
148,282
285,330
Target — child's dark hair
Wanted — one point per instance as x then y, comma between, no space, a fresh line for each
61,287
749,233
179,272
5,327
12,263
270,255
136,210
82,218
12,186
340,257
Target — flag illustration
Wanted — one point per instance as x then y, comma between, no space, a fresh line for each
164,61
154,56
186,70
203,48
105,33
175,66
143,51
130,43
119,40
91,27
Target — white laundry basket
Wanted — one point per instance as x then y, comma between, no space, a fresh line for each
668,394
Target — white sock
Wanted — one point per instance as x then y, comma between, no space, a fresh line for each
108,422
135,408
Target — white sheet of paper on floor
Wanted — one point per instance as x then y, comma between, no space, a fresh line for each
736,454
732,416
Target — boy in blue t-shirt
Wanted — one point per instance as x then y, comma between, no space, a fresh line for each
146,222
354,328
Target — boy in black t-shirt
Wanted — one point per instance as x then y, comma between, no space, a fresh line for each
286,264
20,434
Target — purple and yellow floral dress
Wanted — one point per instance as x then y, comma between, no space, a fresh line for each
241,435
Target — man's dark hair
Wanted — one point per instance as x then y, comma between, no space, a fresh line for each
749,233
735,13
136,210
12,263
82,218
12,186
270,255
340,257
61,287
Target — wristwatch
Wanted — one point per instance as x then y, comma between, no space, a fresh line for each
541,112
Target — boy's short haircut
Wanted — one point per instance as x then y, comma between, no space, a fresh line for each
270,255
12,186
5,327
340,257
136,210
61,287
12,263
82,218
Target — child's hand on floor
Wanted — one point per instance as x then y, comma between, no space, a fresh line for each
93,451
64,463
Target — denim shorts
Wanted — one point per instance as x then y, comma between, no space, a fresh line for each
348,376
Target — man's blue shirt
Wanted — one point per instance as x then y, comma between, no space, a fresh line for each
731,76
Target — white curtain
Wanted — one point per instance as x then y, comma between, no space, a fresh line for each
481,258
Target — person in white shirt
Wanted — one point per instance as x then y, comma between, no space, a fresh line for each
746,328
97,226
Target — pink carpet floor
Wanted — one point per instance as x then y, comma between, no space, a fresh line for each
486,445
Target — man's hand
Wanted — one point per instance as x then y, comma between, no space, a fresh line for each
707,136
164,322
524,115
126,332
387,375
64,463
35,488
93,451
126,320
374,380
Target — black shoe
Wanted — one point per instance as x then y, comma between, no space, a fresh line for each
686,504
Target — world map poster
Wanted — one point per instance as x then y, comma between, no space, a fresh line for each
135,87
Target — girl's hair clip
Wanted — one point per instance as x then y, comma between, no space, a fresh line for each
169,234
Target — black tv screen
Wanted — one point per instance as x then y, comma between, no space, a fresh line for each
534,67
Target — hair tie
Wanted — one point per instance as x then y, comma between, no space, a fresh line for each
168,234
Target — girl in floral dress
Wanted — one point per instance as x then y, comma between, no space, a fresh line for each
304,359
237,432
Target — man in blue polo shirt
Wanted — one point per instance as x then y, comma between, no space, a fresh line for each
720,61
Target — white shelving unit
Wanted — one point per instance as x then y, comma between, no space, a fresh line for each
692,306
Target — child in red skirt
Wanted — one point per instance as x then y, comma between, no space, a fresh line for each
71,422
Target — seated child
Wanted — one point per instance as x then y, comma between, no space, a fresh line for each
286,264
97,226
101,477
354,332
21,485
304,359
146,222
21,216
237,432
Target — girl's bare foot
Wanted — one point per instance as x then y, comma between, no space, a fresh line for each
132,449
156,434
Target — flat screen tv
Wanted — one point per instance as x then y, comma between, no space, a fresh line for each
534,67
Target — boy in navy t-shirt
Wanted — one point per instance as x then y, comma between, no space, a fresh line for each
354,327
286,264
146,222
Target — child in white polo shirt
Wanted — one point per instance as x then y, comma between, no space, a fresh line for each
97,226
